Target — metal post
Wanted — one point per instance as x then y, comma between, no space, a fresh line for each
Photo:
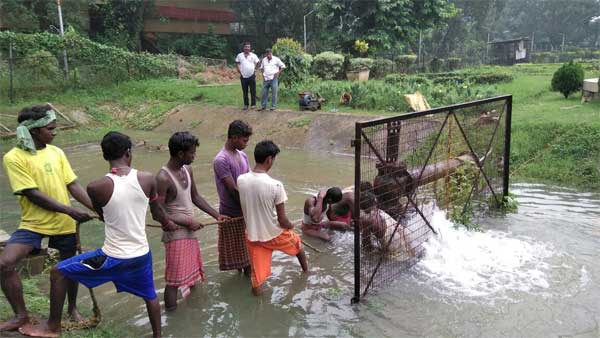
11,89
487,48
420,43
304,18
507,122
356,212
562,48
62,33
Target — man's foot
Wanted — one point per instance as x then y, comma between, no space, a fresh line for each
39,330
257,291
13,324
75,317
262,108
252,107
271,109
245,108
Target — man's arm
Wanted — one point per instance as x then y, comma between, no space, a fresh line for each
223,172
80,195
282,219
316,210
46,202
200,202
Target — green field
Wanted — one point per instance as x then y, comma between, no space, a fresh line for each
554,140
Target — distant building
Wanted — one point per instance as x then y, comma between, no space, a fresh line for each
509,52
185,16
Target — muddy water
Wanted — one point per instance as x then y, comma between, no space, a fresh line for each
530,274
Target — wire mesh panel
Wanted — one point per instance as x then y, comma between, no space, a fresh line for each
452,158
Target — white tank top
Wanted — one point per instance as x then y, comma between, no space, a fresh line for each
125,218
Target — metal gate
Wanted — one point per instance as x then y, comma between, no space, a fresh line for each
454,159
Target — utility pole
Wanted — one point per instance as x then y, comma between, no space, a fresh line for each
487,49
420,44
562,48
62,33
307,14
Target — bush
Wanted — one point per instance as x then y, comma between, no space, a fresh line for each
40,64
297,62
568,79
381,68
358,64
454,63
328,65
405,62
436,64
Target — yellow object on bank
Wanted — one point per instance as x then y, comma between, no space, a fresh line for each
48,171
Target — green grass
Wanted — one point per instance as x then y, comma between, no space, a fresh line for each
38,304
553,139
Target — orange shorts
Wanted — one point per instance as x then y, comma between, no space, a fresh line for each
261,252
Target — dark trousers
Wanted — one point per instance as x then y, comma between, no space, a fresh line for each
249,82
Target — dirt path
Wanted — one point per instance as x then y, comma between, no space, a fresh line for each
305,130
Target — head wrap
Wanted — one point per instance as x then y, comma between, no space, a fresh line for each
24,139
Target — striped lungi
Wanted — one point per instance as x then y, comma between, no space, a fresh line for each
183,262
233,253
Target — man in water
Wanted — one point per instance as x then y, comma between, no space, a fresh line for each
175,185
315,210
267,226
121,199
228,165
41,177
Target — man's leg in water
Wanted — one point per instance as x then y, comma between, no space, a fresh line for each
153,308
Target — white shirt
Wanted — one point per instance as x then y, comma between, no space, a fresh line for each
259,194
271,67
125,218
247,63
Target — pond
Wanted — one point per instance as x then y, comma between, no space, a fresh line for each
529,274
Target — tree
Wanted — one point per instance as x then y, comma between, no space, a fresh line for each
40,15
119,22
384,24
568,79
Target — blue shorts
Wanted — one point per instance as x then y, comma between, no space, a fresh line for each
93,268
63,243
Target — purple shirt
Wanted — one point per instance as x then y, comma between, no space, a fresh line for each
226,165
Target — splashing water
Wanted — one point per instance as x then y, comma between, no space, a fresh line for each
489,264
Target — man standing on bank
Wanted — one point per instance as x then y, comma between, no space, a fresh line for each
246,62
271,67
41,177
230,163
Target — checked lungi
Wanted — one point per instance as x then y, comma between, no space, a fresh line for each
183,262
233,252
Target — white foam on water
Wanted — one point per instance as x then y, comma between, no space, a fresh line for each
489,264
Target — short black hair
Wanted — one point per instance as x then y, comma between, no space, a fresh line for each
239,128
333,195
265,149
246,43
268,50
115,145
367,200
182,141
365,186
33,113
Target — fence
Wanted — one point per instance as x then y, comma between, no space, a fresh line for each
452,158
43,71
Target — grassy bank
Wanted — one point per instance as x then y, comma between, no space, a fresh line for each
555,140
35,290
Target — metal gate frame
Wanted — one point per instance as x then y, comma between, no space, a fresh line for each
360,136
